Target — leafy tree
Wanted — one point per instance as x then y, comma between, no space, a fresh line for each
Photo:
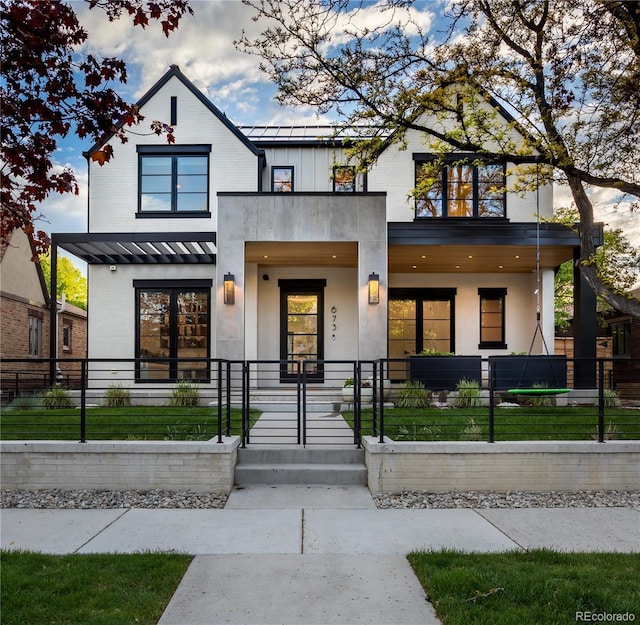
47,91
617,263
71,280
567,70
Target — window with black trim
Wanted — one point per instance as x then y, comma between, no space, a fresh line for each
173,180
282,179
459,189
172,322
492,318
344,179
621,334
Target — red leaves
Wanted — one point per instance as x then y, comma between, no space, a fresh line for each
102,156
43,99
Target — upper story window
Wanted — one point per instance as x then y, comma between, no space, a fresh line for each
282,179
344,179
469,189
174,179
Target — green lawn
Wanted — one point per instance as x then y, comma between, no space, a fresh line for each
124,423
515,588
96,589
537,587
511,424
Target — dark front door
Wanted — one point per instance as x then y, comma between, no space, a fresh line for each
301,327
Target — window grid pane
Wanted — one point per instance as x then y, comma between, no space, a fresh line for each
472,191
174,184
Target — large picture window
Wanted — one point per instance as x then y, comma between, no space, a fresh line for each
469,189
173,181
173,322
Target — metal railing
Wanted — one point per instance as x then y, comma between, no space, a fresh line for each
310,402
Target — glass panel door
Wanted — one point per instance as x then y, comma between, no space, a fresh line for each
301,328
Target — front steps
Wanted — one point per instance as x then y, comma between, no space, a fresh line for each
329,466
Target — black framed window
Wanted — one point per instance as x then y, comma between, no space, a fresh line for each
282,179
421,319
172,325
621,334
492,318
344,179
174,180
459,189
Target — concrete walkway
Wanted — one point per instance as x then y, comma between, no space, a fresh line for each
299,555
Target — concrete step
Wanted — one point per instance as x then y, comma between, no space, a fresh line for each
294,455
328,474
328,466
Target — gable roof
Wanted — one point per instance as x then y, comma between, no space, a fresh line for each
174,72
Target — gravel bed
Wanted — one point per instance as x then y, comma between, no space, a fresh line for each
511,499
86,499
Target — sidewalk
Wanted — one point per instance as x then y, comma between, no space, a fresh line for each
300,555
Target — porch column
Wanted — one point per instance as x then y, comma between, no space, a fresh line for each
372,322
230,325
585,329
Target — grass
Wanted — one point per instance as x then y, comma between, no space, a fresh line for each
540,586
511,424
118,423
94,589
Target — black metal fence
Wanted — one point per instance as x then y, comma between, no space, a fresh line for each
323,402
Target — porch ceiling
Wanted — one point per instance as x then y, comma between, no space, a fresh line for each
474,258
303,253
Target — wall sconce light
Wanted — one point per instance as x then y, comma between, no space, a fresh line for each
374,288
229,288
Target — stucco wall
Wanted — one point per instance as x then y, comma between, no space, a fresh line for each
528,466
201,467
300,218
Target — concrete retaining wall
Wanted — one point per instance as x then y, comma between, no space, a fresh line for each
137,465
528,466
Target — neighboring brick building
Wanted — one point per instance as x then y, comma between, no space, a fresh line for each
24,319
625,337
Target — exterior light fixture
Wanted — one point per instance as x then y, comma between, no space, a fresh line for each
374,288
229,288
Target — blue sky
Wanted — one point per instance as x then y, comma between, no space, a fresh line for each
203,48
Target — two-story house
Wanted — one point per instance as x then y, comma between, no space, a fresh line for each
263,243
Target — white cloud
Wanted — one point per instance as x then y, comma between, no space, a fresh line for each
202,46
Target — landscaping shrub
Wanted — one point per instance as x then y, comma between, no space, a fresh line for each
117,396
413,394
468,394
57,397
185,394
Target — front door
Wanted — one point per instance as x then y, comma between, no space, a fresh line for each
301,327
